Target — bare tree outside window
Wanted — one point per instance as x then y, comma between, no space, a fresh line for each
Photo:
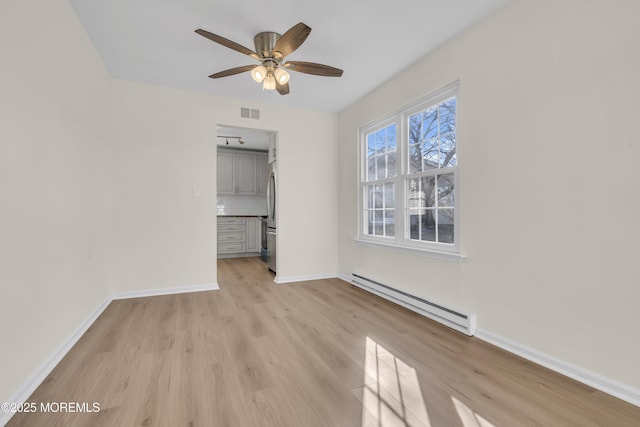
432,150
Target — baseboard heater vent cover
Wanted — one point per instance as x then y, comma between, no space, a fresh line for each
465,323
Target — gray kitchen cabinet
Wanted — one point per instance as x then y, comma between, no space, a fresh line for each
226,173
241,173
253,243
231,234
239,235
261,174
246,175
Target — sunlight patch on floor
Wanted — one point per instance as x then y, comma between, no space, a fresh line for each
468,417
392,397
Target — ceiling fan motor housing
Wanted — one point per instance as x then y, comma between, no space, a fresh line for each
265,42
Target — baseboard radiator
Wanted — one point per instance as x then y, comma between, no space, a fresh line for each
465,323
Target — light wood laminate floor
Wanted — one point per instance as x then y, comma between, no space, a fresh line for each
317,353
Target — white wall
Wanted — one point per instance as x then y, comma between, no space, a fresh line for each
549,181
165,146
54,183
163,237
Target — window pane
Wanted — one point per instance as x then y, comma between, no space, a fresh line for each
391,164
371,145
430,154
414,194
415,126
445,225
370,222
380,142
428,226
430,123
415,158
447,111
382,167
371,169
421,192
378,226
445,190
414,225
377,196
389,199
422,225
391,138
389,223
448,151
370,194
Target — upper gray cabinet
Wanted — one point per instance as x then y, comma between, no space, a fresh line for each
261,177
246,176
241,173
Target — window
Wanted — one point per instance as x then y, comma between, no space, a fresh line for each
379,181
409,175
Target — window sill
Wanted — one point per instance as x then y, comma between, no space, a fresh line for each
431,253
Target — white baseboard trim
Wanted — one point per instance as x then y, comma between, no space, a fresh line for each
166,291
40,374
599,382
345,277
290,279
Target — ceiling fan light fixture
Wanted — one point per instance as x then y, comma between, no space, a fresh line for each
259,73
281,75
271,50
269,82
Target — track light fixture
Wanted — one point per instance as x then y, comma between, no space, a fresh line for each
226,137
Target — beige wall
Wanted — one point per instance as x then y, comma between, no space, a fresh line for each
549,181
163,237
55,198
165,146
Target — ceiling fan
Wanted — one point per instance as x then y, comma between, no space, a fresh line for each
271,50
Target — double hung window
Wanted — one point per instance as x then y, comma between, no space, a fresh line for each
408,183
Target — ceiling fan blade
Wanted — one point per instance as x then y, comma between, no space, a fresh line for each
313,68
227,43
292,39
282,89
232,71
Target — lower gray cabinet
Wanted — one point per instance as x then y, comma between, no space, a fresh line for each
238,234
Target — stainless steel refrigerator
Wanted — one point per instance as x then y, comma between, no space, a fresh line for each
271,218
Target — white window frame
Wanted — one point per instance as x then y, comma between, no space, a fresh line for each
380,124
401,239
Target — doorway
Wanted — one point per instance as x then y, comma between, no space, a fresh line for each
244,159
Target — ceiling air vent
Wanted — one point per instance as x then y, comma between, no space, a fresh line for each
250,113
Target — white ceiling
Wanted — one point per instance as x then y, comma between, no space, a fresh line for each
153,41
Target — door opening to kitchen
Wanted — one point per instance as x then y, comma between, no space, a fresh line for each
246,193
